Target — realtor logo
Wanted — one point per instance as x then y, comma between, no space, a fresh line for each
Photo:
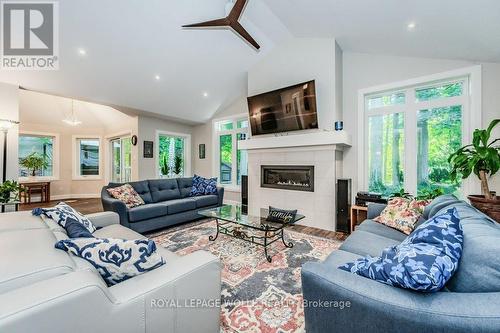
29,35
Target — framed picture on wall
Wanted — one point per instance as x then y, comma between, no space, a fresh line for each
148,149
201,151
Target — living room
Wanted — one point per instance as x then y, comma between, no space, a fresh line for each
250,166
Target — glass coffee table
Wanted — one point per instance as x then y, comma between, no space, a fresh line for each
234,221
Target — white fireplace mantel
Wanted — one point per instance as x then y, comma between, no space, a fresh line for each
320,138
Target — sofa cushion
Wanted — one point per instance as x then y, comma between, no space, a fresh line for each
402,214
179,205
424,261
203,186
28,256
479,268
146,212
164,190
141,187
117,231
75,229
62,213
381,230
115,259
206,200
127,195
439,203
366,243
21,220
185,185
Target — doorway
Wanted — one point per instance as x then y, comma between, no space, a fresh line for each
121,159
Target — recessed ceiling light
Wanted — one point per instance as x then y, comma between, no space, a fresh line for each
205,94
411,26
157,77
82,52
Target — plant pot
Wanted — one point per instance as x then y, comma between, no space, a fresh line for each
490,207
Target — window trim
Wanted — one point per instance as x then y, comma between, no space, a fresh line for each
76,157
472,118
55,158
187,151
233,187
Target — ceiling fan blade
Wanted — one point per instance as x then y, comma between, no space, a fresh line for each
235,13
213,23
244,34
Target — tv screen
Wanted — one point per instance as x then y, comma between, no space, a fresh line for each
283,110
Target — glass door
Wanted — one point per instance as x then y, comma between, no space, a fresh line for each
121,161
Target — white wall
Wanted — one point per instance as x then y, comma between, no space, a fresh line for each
9,109
367,70
298,60
147,128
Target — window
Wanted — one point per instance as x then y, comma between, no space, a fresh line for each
386,152
410,133
231,162
173,155
87,157
40,146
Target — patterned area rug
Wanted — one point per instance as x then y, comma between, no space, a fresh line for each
257,296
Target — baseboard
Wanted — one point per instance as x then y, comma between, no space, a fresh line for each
74,196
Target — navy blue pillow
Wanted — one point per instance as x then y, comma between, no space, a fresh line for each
75,229
424,261
203,186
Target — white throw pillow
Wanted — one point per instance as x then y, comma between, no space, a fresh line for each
62,212
115,259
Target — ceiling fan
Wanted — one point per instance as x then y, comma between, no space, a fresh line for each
230,21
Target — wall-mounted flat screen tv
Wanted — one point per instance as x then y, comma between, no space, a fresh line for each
283,110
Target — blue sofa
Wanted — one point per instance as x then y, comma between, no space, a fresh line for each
339,301
167,203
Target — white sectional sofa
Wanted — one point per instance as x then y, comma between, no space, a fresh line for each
43,289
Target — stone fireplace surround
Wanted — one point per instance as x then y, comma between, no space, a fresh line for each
321,149
319,206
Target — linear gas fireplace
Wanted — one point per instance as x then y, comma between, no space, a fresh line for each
288,177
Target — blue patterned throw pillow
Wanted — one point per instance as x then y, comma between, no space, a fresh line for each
203,186
62,212
115,259
424,261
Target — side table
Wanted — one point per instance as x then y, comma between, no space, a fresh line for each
358,215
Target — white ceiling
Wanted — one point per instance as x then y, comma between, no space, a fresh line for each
448,29
128,42
43,109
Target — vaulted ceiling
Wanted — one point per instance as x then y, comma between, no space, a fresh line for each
129,42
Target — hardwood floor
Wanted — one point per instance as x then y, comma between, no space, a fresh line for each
84,206
89,206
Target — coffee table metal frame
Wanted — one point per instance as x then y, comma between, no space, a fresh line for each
234,227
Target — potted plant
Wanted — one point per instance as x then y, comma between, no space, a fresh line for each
9,191
178,165
164,167
427,194
482,158
33,162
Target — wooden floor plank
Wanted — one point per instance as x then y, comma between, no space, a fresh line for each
89,206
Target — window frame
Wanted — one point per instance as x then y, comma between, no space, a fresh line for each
233,186
55,157
76,157
187,151
471,118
